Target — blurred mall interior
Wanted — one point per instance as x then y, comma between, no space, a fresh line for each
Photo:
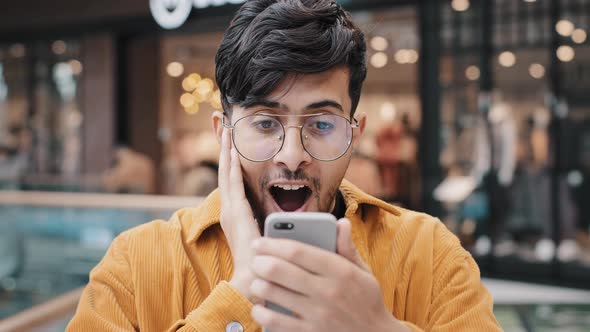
478,113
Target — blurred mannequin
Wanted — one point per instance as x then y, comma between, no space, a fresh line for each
530,214
388,142
200,154
132,173
396,157
503,133
466,159
363,171
491,169
14,156
499,166
581,193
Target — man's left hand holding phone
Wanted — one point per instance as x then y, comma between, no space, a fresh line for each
325,291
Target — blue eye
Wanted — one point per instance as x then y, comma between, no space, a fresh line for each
265,124
323,125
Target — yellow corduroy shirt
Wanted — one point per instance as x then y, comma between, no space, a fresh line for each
172,275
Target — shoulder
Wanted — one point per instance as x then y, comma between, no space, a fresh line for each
381,217
415,221
401,219
419,231
157,234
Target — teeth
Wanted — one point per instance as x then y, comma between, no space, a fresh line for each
289,187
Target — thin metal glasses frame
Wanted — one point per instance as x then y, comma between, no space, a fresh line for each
349,143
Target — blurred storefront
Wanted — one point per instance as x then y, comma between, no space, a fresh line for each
477,113
515,126
124,74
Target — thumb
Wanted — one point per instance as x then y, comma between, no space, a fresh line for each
345,246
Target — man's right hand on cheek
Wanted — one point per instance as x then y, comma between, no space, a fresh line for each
237,220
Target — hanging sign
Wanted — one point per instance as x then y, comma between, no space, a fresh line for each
171,14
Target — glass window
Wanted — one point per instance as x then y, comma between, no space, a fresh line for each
515,156
40,113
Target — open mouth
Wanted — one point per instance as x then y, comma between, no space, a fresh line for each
290,197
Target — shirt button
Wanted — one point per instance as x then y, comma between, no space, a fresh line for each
234,327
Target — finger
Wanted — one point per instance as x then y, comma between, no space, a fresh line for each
275,321
237,192
224,165
276,294
285,274
312,259
236,181
345,246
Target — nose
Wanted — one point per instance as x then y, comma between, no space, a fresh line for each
292,154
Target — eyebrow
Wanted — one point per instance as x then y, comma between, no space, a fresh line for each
264,103
324,104
276,105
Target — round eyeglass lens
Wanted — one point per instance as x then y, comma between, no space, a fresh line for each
258,137
326,137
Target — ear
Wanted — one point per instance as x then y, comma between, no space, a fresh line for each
357,133
217,121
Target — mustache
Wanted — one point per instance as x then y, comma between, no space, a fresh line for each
285,174
298,175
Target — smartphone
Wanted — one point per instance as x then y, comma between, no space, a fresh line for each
313,228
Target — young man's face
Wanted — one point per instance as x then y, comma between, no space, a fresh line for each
267,183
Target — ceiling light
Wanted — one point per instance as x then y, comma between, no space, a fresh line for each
379,60
204,87
189,84
402,56
507,59
472,73
412,56
192,110
460,5
579,36
379,43
537,70
564,27
565,53
187,100
175,69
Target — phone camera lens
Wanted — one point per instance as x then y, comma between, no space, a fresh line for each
284,226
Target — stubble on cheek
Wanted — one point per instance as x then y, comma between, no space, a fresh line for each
256,199
330,196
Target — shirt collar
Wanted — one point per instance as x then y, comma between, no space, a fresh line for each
207,214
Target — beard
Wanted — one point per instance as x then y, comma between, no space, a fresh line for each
255,194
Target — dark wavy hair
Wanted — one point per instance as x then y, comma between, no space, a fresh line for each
270,39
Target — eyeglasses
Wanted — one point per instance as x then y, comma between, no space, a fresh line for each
260,137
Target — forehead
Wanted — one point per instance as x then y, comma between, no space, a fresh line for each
297,92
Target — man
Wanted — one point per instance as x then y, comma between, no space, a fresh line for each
290,74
